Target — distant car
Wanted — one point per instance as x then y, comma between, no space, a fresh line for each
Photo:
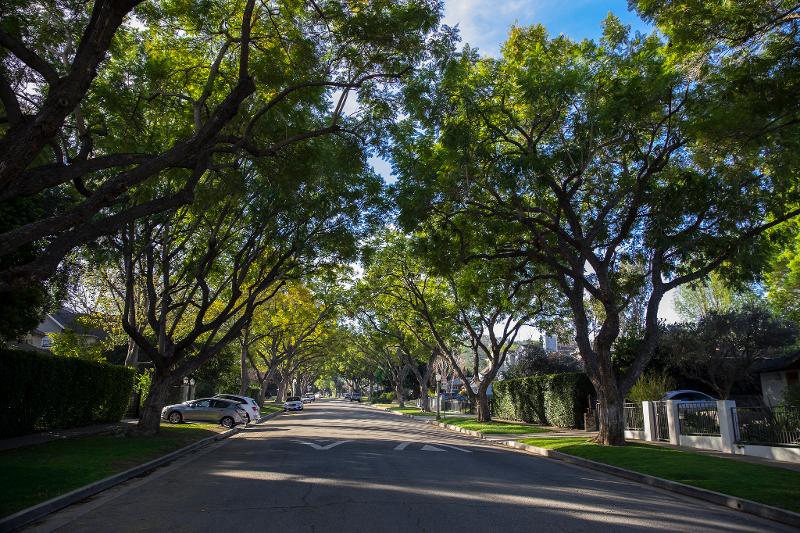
346,396
687,396
355,397
293,403
308,398
227,413
453,396
249,405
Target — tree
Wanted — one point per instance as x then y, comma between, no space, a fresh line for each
207,267
482,305
291,330
783,275
587,159
721,348
112,119
532,360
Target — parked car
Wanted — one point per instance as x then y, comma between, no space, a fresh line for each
346,396
293,403
687,396
228,413
355,397
308,398
453,396
249,405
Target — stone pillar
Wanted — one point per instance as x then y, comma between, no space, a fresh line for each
727,428
674,422
649,421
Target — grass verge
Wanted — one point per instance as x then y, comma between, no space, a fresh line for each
33,474
494,427
269,408
771,485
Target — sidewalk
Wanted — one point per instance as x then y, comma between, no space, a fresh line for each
39,438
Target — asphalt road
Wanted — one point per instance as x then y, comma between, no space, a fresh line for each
339,467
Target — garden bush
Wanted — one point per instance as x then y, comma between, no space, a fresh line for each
382,397
39,392
551,399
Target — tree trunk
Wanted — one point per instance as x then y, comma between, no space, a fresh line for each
245,376
483,410
611,415
398,392
150,415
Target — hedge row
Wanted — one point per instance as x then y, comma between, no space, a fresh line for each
552,399
39,392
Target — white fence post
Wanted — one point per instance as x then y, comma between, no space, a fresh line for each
726,424
674,422
649,421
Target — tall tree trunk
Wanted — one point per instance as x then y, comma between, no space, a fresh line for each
245,375
611,417
483,410
150,415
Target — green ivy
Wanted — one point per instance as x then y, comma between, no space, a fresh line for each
551,399
39,392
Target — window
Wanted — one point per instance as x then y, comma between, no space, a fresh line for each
202,403
220,404
47,342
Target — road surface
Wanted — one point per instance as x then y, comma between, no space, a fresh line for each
340,467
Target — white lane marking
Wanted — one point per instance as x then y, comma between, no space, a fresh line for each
319,447
454,447
428,448
402,446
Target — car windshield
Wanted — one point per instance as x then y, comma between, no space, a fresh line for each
293,399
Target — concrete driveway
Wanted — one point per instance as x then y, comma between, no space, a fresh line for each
341,467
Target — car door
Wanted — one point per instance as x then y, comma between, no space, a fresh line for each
201,412
218,410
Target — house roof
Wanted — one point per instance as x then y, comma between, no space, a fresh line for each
68,319
776,364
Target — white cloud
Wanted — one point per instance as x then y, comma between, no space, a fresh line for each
485,23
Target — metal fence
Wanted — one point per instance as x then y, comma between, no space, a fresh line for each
762,425
634,417
456,406
662,423
699,418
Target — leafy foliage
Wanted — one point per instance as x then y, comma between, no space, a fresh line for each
650,386
40,392
553,399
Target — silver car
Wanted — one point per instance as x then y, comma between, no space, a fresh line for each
228,413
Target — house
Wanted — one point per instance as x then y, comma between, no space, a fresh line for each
58,322
776,375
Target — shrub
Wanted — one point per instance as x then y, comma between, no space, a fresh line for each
551,399
40,392
650,387
382,397
791,397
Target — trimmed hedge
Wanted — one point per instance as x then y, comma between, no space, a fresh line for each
39,392
551,399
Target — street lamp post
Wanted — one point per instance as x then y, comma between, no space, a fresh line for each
438,398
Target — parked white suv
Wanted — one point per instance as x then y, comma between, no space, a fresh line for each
251,408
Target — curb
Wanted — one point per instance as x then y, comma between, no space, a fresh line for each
733,502
40,510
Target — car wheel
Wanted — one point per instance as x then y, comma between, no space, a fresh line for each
227,422
175,417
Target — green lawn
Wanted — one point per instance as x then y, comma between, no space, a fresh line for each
494,427
766,484
269,408
412,411
33,474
